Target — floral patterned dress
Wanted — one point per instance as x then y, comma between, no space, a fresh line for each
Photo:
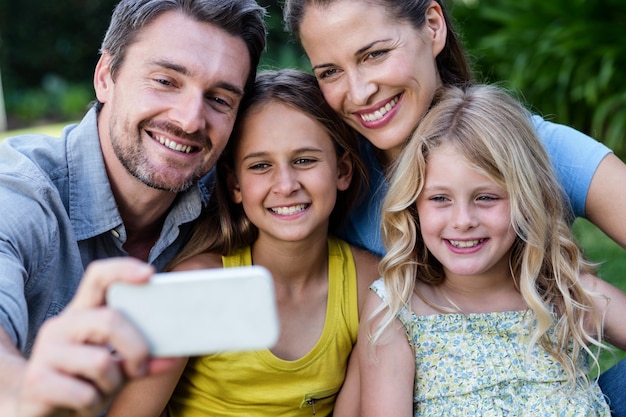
475,365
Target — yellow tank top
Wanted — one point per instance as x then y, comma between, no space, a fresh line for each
260,384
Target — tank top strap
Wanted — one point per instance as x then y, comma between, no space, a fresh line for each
240,257
342,282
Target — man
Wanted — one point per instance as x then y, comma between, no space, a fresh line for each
122,182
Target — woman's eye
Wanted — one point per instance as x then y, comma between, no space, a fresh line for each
376,54
327,73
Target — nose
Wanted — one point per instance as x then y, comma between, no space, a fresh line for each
360,88
189,112
464,217
286,181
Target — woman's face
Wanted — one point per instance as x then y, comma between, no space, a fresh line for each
377,72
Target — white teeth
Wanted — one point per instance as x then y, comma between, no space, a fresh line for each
465,243
289,210
173,145
380,112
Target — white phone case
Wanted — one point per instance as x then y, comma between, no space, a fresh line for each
199,312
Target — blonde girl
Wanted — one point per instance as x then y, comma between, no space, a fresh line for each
482,276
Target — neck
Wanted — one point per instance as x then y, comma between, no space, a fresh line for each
292,263
486,293
143,211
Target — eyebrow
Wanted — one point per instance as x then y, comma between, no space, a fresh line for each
186,72
357,53
295,152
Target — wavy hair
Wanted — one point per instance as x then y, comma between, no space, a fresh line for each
494,133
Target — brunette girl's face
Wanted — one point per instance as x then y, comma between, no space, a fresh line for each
287,173
377,72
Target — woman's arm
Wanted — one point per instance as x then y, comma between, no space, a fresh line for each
606,200
611,305
387,370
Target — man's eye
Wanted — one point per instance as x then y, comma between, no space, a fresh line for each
221,103
164,81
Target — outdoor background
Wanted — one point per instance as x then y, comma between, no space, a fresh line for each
565,59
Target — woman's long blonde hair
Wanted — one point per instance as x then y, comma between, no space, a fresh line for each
494,133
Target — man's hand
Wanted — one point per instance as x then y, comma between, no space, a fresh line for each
84,356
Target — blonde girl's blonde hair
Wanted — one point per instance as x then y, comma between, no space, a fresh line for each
494,133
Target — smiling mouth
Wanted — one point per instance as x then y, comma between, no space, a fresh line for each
289,210
378,114
465,243
173,145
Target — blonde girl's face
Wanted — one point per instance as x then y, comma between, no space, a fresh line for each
377,72
287,173
464,217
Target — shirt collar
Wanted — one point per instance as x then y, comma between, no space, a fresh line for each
92,206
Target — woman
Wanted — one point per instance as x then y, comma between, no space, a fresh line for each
379,63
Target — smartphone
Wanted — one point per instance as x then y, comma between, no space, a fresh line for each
199,312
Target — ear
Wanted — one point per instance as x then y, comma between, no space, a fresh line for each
345,166
436,27
102,81
233,185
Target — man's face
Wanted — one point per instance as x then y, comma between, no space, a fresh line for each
169,111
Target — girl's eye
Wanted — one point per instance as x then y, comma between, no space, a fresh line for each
259,167
302,161
438,198
487,198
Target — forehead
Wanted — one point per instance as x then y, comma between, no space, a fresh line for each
324,30
203,49
276,127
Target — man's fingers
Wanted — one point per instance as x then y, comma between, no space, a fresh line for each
108,329
100,274
80,361
47,387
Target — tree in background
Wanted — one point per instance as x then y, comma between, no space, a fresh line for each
565,57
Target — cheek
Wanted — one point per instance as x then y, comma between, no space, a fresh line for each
332,95
428,223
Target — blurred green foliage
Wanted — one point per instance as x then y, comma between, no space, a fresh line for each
564,58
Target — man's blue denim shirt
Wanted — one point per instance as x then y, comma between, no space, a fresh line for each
57,215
